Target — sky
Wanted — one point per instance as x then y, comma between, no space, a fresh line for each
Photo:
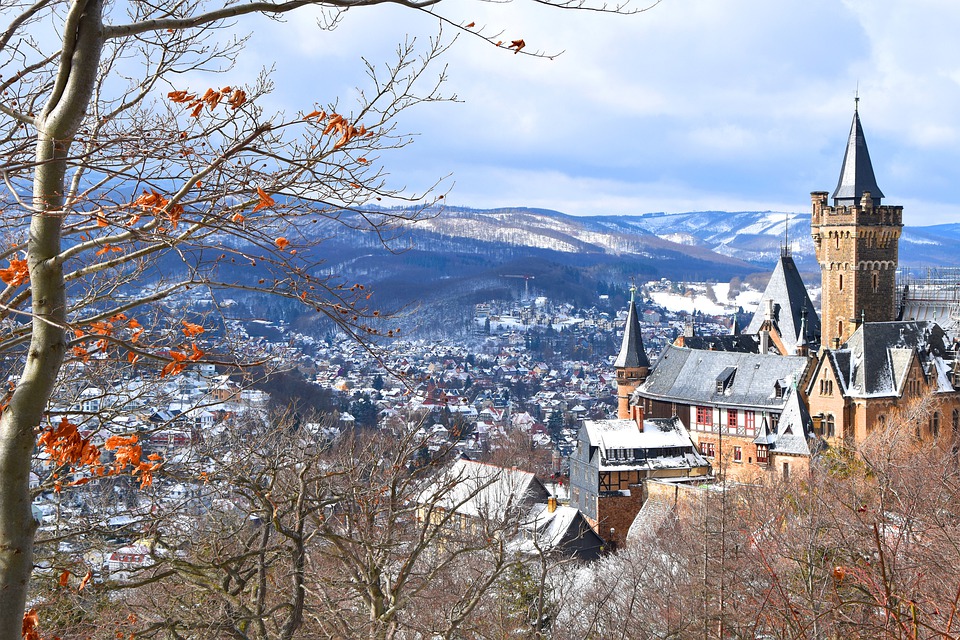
735,105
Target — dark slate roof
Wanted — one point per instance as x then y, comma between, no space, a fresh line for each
740,342
791,301
795,430
876,358
689,376
632,354
856,175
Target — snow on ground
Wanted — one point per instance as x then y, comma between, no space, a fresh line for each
696,299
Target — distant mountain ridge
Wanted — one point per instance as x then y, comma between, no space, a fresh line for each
454,258
753,237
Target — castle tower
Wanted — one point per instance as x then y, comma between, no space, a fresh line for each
632,364
857,244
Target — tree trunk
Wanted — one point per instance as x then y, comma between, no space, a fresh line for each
56,127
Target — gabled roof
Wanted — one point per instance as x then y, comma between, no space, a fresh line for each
632,354
795,430
856,175
484,490
791,301
876,359
564,529
663,443
689,376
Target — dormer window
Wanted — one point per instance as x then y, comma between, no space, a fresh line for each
779,388
725,379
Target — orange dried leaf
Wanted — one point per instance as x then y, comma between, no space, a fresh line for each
472,24
17,273
265,200
64,578
85,580
237,218
238,98
132,357
115,441
281,243
29,626
517,45
191,330
196,353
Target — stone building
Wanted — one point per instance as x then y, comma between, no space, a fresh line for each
856,242
873,366
614,458
795,382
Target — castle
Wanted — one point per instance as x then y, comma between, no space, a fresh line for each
766,402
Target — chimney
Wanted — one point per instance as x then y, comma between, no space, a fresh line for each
771,310
551,504
764,341
637,411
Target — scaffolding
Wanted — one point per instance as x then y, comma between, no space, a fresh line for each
931,294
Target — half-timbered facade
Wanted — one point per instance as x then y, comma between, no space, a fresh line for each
614,457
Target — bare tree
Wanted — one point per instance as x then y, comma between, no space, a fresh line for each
303,536
113,171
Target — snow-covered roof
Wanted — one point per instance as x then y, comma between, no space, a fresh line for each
876,359
483,490
663,443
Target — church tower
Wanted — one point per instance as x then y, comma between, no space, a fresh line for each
632,364
857,245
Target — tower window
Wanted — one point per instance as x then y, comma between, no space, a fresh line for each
876,282
841,282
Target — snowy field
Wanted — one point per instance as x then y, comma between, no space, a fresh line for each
695,298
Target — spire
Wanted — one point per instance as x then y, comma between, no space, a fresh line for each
632,354
785,249
735,327
856,175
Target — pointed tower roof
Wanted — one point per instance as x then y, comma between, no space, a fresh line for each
793,310
856,175
632,354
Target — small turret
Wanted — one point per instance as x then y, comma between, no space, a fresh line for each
632,364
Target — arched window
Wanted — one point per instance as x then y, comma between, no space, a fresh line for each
955,421
876,282
935,424
841,282
830,426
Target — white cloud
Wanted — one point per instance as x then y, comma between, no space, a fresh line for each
695,104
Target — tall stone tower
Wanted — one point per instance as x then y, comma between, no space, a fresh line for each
857,246
632,364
